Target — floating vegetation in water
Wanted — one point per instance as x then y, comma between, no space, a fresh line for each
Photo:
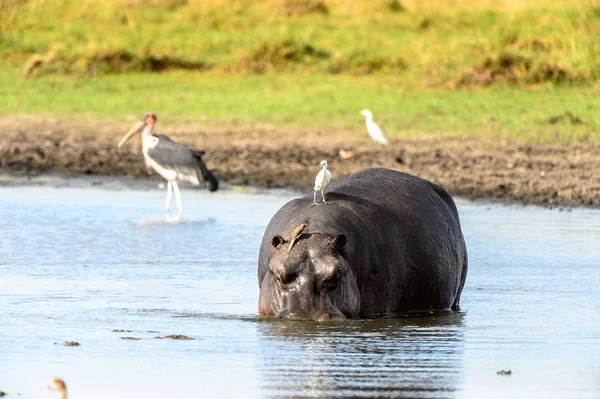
177,337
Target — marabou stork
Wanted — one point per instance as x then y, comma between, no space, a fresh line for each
171,160
323,178
374,130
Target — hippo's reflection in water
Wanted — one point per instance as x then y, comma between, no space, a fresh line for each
414,356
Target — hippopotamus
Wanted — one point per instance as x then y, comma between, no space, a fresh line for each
386,243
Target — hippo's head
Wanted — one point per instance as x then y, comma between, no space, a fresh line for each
308,276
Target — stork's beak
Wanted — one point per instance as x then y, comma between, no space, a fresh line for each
134,129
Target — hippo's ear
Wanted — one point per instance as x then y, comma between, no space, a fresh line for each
277,241
339,242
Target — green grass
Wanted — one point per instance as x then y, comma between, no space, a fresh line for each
433,43
324,102
455,67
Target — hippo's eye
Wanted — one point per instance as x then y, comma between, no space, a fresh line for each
286,278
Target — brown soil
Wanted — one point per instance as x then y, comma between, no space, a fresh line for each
549,175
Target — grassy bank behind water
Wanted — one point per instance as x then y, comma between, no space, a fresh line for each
522,70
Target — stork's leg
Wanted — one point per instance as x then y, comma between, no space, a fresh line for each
315,198
323,195
177,197
169,195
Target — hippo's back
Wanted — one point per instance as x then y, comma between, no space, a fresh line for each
392,188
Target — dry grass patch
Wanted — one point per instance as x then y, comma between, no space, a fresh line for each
303,7
513,69
105,62
278,57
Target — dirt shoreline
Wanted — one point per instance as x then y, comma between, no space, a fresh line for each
547,175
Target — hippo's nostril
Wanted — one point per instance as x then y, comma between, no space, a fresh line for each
330,283
324,316
328,315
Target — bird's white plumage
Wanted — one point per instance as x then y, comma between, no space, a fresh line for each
148,143
374,130
323,178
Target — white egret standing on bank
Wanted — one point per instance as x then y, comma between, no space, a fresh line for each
323,178
374,130
171,160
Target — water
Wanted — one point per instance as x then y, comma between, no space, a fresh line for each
77,263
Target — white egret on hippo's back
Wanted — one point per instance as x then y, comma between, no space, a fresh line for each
323,178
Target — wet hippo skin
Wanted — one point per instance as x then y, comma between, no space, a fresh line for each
388,243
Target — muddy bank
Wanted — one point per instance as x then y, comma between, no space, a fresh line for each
547,175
